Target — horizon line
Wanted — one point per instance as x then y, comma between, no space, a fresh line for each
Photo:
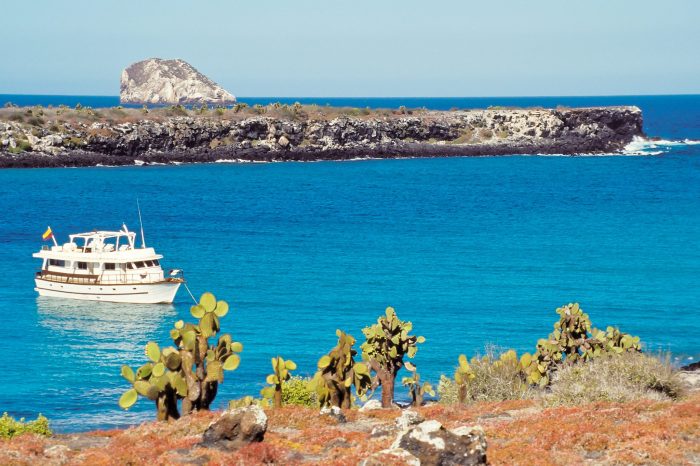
396,97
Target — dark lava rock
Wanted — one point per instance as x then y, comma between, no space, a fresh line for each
236,428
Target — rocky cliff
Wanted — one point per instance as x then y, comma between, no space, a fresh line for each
295,135
157,81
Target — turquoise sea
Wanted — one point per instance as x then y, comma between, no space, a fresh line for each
474,251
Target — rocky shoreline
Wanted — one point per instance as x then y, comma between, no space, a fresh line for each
31,137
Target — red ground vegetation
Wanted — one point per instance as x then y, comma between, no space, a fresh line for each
518,432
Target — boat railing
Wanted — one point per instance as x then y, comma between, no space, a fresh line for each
143,277
111,279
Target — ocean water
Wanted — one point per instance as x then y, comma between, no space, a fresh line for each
474,251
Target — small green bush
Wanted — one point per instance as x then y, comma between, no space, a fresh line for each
73,142
618,378
296,391
22,146
10,427
448,392
36,121
497,377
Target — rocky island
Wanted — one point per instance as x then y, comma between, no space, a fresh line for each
59,137
215,128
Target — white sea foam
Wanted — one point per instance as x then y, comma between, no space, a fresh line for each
138,162
644,146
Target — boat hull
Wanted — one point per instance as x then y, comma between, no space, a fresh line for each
137,293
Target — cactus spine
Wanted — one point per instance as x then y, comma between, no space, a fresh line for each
189,371
338,373
387,342
281,372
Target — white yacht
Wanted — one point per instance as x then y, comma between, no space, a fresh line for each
105,266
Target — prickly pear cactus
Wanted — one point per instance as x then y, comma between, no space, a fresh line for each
281,373
463,375
387,342
189,371
338,373
610,341
416,389
573,341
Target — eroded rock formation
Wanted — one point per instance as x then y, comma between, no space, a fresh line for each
157,81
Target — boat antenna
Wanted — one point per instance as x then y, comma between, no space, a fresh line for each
143,238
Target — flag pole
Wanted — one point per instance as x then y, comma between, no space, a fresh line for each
53,237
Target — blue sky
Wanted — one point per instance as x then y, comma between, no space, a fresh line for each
359,47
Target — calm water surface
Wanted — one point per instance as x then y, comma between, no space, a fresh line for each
473,250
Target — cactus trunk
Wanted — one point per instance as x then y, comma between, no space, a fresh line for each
387,380
208,394
278,396
462,394
166,407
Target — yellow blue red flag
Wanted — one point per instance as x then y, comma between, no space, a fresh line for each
48,234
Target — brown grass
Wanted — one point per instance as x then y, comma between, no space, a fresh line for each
59,116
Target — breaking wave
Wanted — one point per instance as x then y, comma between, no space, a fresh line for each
644,146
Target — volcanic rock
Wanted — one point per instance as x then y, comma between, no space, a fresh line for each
236,428
432,444
157,81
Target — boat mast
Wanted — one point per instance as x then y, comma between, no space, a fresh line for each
143,238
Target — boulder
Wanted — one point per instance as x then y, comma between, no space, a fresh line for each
371,405
408,419
432,444
236,428
169,82
334,412
283,141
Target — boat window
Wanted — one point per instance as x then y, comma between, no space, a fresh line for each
140,265
82,265
149,263
57,262
109,266
156,263
130,266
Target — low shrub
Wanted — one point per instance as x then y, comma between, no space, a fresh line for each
465,137
296,391
447,390
10,427
36,121
618,378
22,146
73,142
496,376
176,110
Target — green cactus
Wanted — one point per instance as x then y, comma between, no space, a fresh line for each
338,373
463,374
189,371
572,341
387,342
415,388
281,373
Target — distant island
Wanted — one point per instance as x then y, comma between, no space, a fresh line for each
202,122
